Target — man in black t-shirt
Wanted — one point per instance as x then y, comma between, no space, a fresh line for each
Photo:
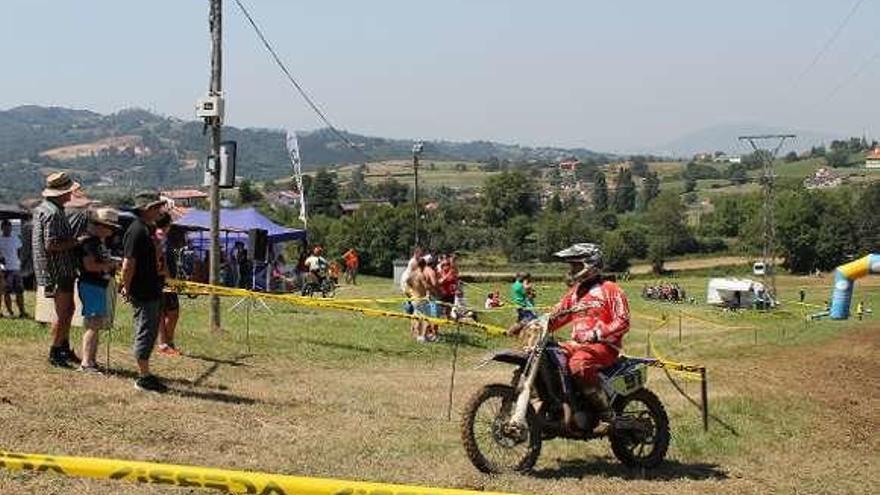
142,285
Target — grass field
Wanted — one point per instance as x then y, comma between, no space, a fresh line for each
431,173
336,394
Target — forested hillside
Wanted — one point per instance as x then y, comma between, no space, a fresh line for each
136,148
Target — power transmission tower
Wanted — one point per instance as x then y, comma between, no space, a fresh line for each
417,149
766,157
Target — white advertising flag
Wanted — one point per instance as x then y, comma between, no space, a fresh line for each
293,152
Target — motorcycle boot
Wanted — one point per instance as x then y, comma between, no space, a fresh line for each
597,402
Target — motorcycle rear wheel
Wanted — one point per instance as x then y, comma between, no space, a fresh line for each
627,445
488,447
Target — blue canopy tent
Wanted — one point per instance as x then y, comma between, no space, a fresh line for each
234,227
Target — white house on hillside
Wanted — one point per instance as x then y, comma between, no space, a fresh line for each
872,159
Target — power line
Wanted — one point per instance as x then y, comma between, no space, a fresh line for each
296,84
830,41
852,77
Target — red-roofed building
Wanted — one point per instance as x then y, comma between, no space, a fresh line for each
184,198
872,159
569,165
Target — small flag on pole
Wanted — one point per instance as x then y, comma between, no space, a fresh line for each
293,152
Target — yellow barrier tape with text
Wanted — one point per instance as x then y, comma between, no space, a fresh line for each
225,480
687,371
186,287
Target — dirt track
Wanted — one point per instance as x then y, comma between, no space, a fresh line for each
389,424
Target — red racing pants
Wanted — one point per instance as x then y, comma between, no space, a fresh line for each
585,360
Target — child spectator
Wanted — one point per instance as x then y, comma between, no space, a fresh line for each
168,239
96,271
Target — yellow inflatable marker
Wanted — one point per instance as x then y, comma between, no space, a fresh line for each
217,479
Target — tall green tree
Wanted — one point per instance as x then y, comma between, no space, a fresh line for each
639,166
555,203
247,193
690,183
323,196
736,173
507,195
393,191
797,217
868,223
667,232
650,190
624,192
600,192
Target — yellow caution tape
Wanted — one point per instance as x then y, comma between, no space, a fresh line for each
186,287
229,481
688,371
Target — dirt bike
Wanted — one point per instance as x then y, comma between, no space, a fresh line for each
313,286
503,426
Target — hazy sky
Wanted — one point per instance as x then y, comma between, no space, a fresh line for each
609,75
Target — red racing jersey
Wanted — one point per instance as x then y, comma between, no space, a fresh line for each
605,309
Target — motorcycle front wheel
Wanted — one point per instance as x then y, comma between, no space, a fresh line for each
643,447
488,440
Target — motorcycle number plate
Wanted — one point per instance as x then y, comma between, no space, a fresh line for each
630,381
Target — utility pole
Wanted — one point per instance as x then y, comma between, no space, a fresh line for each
417,151
768,252
215,90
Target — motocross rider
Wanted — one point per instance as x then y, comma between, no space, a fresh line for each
599,312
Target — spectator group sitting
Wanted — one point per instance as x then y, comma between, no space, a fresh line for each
664,291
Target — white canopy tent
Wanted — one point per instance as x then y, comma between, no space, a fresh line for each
738,293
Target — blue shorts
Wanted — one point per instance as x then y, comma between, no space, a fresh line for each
408,307
94,300
435,309
422,308
524,315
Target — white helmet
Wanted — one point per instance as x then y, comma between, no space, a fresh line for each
589,255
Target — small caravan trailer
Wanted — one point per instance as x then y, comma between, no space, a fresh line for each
737,293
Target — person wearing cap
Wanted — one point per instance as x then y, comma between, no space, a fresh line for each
96,271
142,286
54,248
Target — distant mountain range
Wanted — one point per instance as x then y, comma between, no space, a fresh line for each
724,138
136,148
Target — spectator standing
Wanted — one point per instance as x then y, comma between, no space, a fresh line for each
141,285
417,291
10,251
55,261
168,239
26,254
352,263
519,294
432,282
448,284
96,271
236,260
333,271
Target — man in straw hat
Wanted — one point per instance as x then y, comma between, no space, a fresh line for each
142,285
55,262
95,274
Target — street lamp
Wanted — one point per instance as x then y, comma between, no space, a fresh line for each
417,149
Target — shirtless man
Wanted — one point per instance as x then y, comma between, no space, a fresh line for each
417,289
432,282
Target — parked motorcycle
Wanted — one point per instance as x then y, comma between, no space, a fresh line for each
503,426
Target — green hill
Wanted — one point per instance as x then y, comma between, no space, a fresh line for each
136,148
